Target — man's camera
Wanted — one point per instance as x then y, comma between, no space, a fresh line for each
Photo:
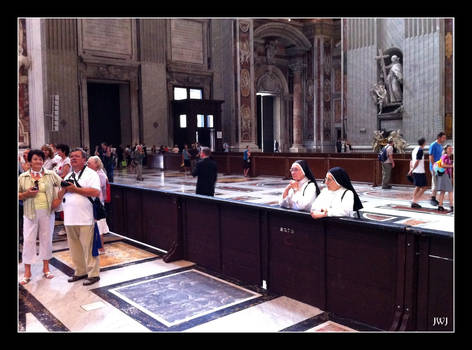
66,183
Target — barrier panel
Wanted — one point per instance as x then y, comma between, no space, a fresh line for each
362,167
389,276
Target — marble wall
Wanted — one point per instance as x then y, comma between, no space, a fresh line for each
222,62
61,79
361,74
421,41
424,73
154,97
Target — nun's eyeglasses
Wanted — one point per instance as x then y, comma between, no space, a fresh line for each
294,169
327,179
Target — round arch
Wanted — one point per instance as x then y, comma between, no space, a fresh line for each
285,31
273,80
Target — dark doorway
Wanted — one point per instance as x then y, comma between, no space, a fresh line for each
265,122
104,114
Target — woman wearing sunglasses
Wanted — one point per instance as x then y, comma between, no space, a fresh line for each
302,190
36,190
338,198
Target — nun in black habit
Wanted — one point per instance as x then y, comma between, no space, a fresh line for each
339,198
302,190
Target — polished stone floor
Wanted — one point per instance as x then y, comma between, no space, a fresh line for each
139,292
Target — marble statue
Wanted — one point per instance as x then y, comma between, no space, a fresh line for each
395,80
381,137
379,94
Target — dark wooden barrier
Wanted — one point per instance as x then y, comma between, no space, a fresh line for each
389,276
362,167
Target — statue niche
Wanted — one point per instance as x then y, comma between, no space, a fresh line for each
388,91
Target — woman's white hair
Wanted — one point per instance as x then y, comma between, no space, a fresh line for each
98,161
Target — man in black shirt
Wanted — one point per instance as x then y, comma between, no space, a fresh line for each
206,171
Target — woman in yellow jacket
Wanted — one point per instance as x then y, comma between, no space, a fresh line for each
36,188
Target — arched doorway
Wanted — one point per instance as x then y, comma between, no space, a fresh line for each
272,117
280,50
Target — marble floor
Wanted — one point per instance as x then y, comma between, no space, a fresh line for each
139,292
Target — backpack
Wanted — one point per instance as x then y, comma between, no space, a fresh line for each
108,193
382,156
438,169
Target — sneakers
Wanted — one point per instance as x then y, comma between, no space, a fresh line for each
416,205
440,208
434,201
61,232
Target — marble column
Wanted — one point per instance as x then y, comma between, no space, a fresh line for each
35,46
297,67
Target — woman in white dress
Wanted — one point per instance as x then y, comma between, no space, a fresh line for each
302,190
338,198
95,163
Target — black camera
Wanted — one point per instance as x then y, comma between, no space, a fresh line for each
36,186
66,183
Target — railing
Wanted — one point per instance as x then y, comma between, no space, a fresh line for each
389,276
362,167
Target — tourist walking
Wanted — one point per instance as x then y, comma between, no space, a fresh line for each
186,159
138,160
246,161
418,172
435,152
388,165
444,181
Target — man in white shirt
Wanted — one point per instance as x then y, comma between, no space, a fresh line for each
78,217
418,171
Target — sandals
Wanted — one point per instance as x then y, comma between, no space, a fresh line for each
25,280
48,275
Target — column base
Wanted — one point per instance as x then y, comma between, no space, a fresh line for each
297,148
241,147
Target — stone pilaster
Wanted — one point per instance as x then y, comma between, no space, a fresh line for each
297,67
245,84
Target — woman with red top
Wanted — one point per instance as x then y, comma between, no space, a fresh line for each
445,181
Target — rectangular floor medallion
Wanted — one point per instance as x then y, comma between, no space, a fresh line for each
180,297
116,253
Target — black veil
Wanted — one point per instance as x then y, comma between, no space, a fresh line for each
306,169
342,178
